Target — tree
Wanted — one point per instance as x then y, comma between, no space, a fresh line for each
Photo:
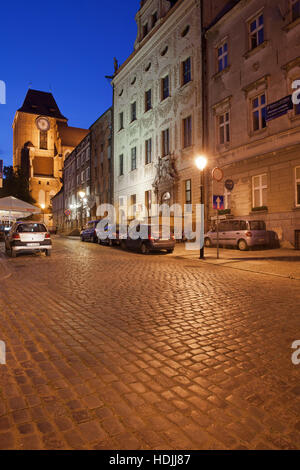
16,183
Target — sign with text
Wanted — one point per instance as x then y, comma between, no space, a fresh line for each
279,108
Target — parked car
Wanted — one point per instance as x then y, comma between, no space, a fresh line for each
243,234
114,234
89,233
28,237
152,240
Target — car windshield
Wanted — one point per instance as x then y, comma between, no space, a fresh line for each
31,228
257,225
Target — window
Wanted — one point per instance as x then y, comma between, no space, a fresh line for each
297,106
43,140
222,57
165,88
260,188
133,111
78,179
224,128
121,121
187,132
82,176
121,165
295,9
133,159
259,112
148,201
297,186
154,19
148,100
165,142
148,145
87,173
186,71
133,205
145,30
188,192
256,31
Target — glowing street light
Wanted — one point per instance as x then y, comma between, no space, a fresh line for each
201,164
81,194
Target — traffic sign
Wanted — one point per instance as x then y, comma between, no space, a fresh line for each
229,185
218,203
218,174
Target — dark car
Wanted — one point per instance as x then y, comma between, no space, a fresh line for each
113,234
151,238
89,234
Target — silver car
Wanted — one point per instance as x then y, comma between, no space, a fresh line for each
243,234
28,237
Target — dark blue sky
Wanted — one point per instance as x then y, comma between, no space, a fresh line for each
66,45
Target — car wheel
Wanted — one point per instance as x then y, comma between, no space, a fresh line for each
242,245
111,243
144,249
13,254
123,245
82,239
170,251
208,243
48,252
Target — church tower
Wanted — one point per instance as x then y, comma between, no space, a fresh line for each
41,141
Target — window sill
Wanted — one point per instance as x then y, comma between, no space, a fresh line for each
291,25
184,85
164,100
188,149
259,132
222,72
296,209
148,110
252,52
223,147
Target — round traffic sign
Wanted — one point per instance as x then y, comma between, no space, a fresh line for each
218,174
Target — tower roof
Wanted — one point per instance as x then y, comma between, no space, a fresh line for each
41,103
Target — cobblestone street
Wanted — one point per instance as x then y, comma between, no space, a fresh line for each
114,350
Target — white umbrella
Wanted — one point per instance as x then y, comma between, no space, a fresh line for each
11,207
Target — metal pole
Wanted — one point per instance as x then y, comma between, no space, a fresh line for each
201,203
218,237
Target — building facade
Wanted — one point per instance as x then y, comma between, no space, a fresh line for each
253,59
78,200
102,161
158,109
42,140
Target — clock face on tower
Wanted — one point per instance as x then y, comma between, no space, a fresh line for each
43,124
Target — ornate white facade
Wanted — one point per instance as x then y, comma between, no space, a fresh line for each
168,43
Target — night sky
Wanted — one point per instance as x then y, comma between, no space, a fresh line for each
66,47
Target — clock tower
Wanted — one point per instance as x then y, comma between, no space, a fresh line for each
41,141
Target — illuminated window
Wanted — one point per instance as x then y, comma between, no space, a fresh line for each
256,31
44,140
260,189
222,57
259,112
188,192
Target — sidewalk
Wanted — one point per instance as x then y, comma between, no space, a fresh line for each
280,262
4,271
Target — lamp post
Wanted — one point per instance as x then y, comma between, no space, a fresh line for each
201,163
81,194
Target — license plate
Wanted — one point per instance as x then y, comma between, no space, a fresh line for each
32,245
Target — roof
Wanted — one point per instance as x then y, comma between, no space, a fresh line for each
41,103
71,136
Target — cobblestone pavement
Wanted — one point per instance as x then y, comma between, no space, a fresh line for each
114,350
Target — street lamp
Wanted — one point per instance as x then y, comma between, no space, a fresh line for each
201,163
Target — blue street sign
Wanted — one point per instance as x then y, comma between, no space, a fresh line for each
218,203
